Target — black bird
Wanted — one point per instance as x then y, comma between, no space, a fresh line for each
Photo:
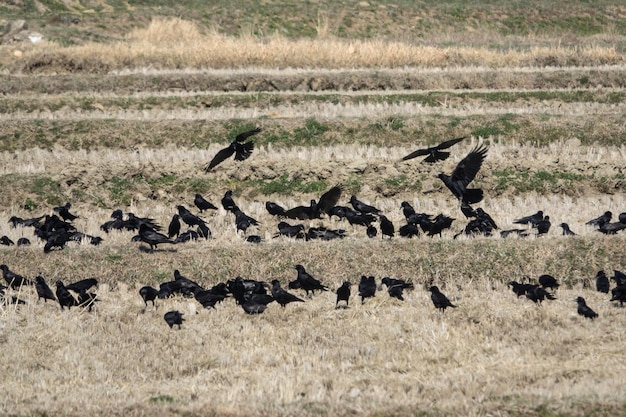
584,310
537,294
239,147
87,300
66,299
185,286
363,208
324,233
622,218
343,293
14,280
148,293
4,240
243,221
82,285
203,204
602,282
548,281
255,305
281,296
32,222
396,292
386,226
328,201
439,299
285,229
566,230
187,236
371,231
619,294
174,317
174,227
64,212
396,287
611,228
436,226
367,287
531,220
355,218
254,239
188,217
464,174
274,209
543,226
601,220
434,152
23,241
43,290
521,288
151,237
306,281
519,232
407,210
227,201
57,239
208,298
409,230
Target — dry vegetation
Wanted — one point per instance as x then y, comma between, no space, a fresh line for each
121,107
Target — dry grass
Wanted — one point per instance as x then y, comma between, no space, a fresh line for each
177,44
493,353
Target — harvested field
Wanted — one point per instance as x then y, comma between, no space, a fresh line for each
123,105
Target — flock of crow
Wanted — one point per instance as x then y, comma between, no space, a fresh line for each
57,229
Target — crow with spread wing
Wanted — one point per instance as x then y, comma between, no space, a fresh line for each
241,149
434,152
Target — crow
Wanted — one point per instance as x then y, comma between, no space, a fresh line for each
243,221
203,204
66,299
343,293
584,310
4,240
386,226
23,241
407,210
148,293
566,230
619,294
440,301
174,227
43,290
285,229
520,288
174,317
611,228
82,285
14,280
434,152
306,282
274,209
227,201
151,237
32,222
328,201
57,239
464,174
367,287
602,282
185,285
363,208
324,233
548,281
254,239
208,298
394,282
531,220
409,230
64,212
282,296
87,300
622,218
543,226
371,231
537,294
188,217
187,236
355,218
601,220
239,147
396,292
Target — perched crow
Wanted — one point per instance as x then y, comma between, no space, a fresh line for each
243,221
611,228
371,231
4,240
208,298
306,282
285,229
174,227
386,226
187,236
407,210
520,288
227,201
584,310
601,220
254,239
174,317
602,282
343,293
82,285
531,220
281,296
566,230
274,209
239,147
439,299
151,237
367,287
464,174
64,212
543,226
23,241
537,294
14,280
87,300
548,281
43,290
203,204
185,286
363,208
57,239
434,152
148,293
66,299
324,233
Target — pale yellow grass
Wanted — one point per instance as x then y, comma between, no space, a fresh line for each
493,354
176,44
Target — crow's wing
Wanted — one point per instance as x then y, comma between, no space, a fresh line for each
330,198
245,135
466,170
243,150
220,157
449,143
419,152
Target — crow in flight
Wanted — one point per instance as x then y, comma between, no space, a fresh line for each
241,149
584,310
434,152
464,174
439,299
